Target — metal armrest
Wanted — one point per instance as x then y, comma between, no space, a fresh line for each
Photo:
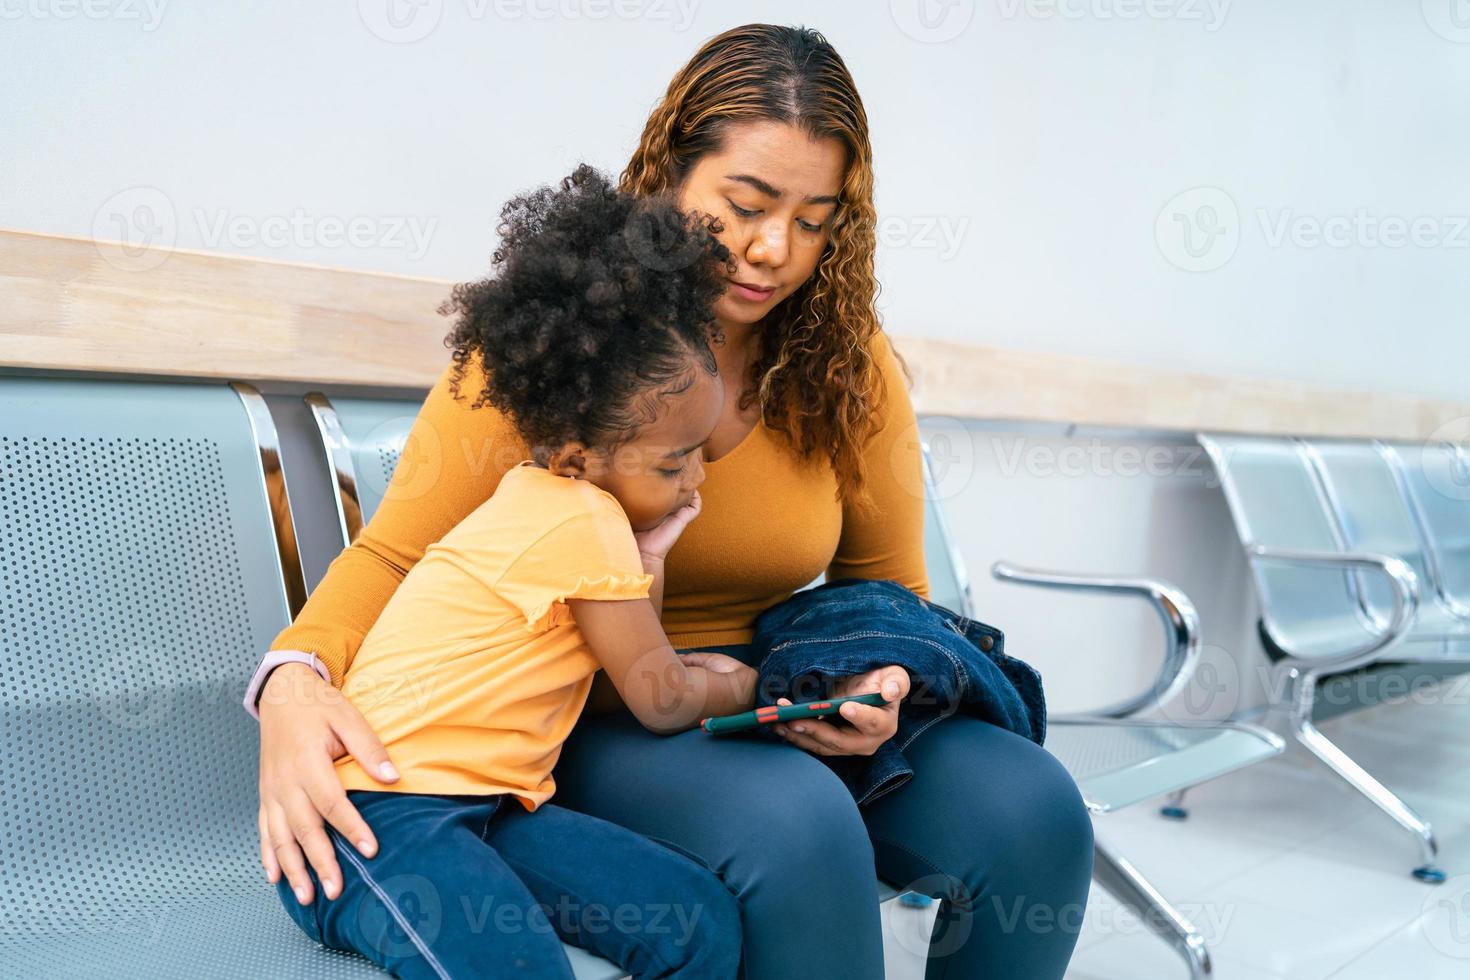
1176,612
1405,596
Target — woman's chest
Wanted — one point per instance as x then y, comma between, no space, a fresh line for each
768,522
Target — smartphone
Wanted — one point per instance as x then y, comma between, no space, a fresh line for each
773,713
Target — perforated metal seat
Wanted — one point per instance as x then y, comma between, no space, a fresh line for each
1118,764
140,580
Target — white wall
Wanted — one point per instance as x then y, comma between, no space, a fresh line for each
1030,155
1023,164
1100,503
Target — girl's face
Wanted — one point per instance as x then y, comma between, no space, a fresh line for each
774,190
657,472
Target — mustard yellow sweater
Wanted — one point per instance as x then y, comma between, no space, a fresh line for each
770,523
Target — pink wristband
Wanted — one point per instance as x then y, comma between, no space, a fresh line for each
273,660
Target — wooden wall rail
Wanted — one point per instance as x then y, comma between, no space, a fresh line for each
75,304
991,383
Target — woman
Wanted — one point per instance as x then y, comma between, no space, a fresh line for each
813,466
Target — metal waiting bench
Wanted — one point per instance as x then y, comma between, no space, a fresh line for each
142,576
1348,573
147,556
1117,758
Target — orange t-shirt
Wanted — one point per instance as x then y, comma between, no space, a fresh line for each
475,672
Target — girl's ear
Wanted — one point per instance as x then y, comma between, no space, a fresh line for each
570,460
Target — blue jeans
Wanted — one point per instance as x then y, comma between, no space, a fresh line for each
477,886
990,823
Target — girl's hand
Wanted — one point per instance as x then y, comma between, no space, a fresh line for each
744,678
657,540
872,725
306,723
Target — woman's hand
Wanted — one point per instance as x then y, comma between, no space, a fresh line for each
872,725
306,723
657,540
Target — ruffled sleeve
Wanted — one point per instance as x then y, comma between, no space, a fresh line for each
588,555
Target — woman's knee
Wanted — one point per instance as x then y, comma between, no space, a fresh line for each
988,804
802,867
806,830
1057,802
1048,823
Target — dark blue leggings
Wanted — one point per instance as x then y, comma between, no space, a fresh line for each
991,824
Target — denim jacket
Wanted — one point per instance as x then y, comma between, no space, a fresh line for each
850,626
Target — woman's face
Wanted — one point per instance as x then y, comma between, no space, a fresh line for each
774,190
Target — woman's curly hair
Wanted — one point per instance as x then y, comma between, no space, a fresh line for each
815,377
596,300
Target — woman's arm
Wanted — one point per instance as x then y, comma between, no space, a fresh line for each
452,462
454,459
884,541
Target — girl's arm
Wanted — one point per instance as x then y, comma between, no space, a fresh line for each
664,693
604,698
654,565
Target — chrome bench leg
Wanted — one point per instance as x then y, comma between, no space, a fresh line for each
1124,882
1174,808
1363,781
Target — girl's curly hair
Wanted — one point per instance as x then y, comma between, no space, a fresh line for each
815,375
597,299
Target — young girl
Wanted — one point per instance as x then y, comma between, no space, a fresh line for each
592,333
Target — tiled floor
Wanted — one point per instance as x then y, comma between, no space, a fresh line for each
1289,874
